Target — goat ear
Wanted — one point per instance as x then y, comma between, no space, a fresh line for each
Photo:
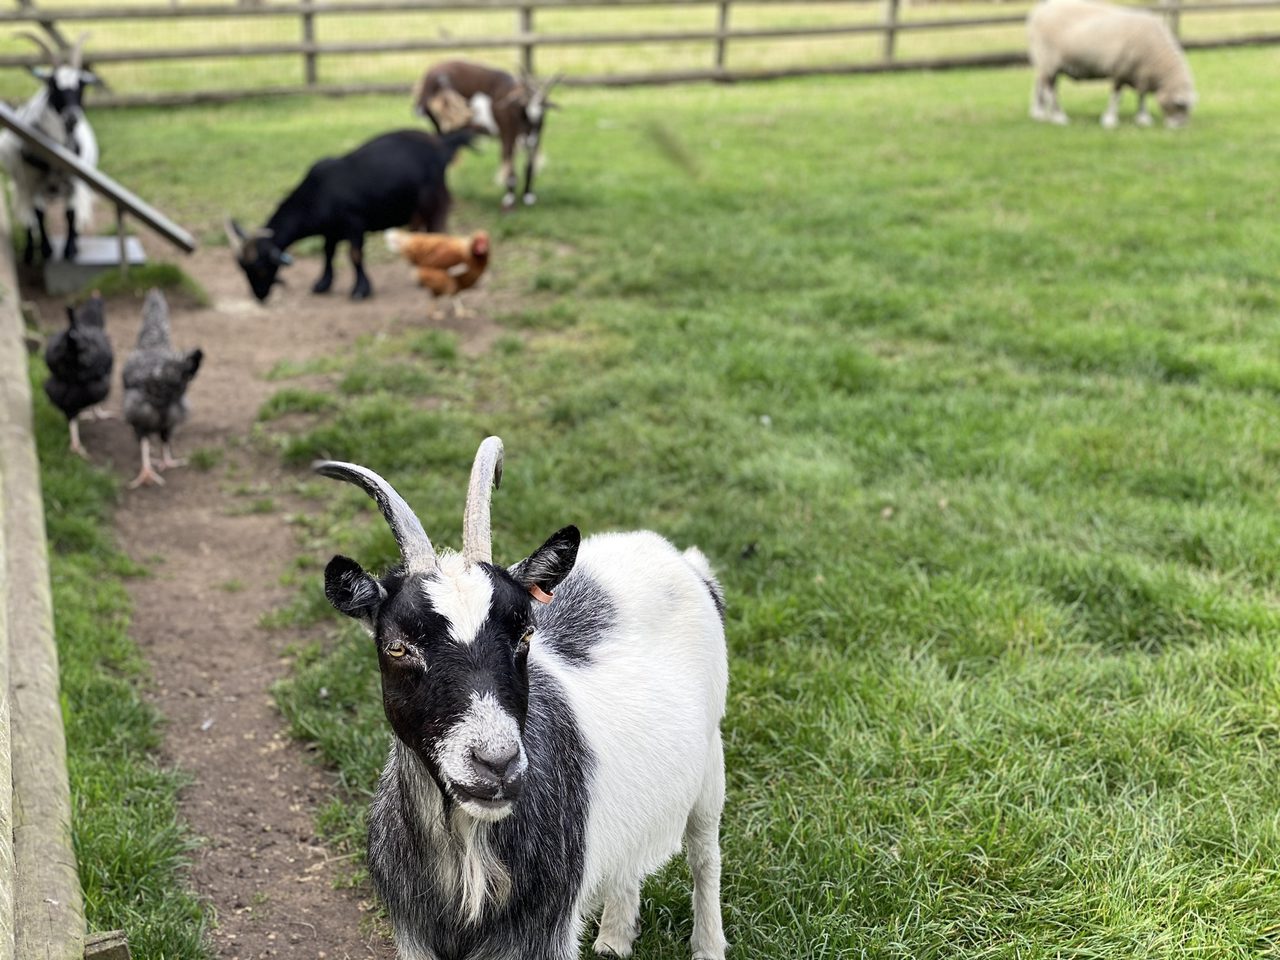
284,259
41,73
352,591
541,572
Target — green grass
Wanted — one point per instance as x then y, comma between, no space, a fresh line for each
976,418
130,844
169,277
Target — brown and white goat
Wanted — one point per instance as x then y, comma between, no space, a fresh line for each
460,93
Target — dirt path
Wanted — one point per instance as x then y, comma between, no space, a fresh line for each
215,571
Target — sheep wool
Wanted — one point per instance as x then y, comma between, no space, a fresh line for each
1087,40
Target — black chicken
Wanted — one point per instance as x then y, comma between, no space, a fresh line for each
80,361
155,387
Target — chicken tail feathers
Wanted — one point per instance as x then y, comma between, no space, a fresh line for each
191,364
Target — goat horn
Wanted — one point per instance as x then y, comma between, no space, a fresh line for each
415,547
77,52
39,42
486,474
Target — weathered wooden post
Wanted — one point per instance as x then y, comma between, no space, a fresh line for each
309,70
526,35
890,28
122,241
722,29
48,906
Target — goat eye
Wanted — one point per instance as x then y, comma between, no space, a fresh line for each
395,650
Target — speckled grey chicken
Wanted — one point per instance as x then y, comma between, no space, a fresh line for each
155,387
79,359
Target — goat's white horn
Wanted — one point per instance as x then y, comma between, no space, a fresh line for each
415,546
77,52
486,474
39,42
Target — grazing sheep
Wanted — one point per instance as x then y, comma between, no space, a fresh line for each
1094,41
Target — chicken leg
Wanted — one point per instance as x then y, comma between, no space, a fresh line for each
147,476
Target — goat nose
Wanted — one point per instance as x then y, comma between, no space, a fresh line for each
494,762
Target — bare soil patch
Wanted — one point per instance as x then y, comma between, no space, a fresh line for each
215,570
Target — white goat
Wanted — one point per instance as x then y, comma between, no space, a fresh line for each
557,732
55,110
1087,40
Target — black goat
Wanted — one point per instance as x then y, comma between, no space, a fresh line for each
395,180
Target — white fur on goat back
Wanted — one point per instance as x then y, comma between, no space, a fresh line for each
648,693
1088,40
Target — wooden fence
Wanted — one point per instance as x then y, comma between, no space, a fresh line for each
889,20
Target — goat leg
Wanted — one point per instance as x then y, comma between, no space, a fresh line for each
29,255
46,251
530,164
326,278
362,290
69,251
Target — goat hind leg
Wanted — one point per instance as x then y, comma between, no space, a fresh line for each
362,290
702,849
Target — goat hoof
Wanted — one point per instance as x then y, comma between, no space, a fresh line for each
69,252
530,199
361,293
322,285
508,202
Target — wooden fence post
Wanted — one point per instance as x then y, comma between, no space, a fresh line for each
890,28
526,47
48,907
722,26
309,37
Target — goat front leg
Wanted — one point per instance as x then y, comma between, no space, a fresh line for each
530,167
71,248
362,290
323,284
507,172
620,918
46,251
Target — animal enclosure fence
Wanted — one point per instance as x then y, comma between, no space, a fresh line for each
178,52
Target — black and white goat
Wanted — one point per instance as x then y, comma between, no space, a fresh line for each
57,111
557,732
395,180
498,104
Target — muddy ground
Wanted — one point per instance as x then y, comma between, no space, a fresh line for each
216,569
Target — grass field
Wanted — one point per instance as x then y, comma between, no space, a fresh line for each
129,842
978,419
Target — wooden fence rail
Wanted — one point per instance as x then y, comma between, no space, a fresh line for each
525,39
